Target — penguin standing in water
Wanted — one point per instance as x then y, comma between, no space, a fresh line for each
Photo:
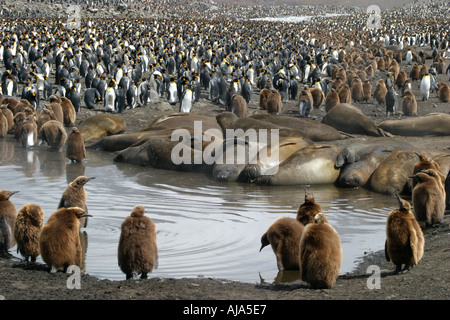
132,96
186,100
110,97
391,101
120,101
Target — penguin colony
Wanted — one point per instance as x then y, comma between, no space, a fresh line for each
138,72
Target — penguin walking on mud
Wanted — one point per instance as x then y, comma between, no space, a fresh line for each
391,101
186,100
110,97
132,96
91,97
425,86
120,100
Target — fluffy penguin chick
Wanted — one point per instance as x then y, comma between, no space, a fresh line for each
29,223
404,238
320,253
59,242
137,251
284,236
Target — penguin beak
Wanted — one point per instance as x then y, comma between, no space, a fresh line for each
12,193
85,215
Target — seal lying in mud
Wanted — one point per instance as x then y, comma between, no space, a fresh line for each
101,125
359,161
314,164
315,130
348,118
393,174
434,124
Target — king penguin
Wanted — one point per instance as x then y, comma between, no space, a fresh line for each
391,101
110,97
186,100
425,86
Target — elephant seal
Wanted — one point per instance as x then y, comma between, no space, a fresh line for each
359,161
392,175
348,118
162,152
315,130
228,120
435,124
311,165
176,120
161,127
101,125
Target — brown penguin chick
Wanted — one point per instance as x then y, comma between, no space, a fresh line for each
59,242
381,64
9,117
345,94
401,79
69,112
55,106
238,106
45,115
8,215
305,102
367,90
331,100
137,250
308,209
357,90
404,243
3,125
76,196
284,236
54,134
29,223
428,199
422,71
409,104
380,92
443,93
75,150
28,132
274,103
263,95
414,74
320,253
426,163
317,97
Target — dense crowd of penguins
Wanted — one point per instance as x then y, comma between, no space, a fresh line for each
133,63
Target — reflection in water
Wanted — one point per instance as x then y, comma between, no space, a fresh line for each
204,228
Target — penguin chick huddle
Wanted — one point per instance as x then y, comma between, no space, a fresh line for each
59,241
